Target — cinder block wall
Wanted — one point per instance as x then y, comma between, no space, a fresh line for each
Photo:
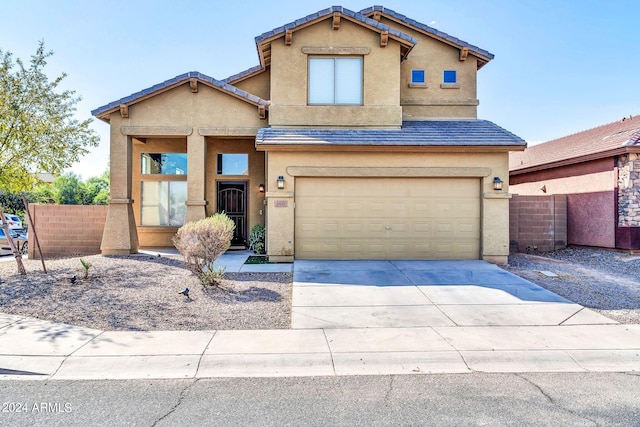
67,229
538,223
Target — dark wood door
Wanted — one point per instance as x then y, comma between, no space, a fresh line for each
232,200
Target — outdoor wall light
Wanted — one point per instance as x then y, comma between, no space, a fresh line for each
497,183
261,188
281,182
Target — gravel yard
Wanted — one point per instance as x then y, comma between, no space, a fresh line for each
605,281
143,293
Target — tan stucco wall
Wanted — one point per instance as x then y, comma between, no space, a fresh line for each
119,236
494,206
195,115
381,97
259,85
434,57
181,107
588,183
161,236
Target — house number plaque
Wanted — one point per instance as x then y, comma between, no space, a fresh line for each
280,203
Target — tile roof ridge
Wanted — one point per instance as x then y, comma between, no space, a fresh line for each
325,12
427,28
591,129
243,73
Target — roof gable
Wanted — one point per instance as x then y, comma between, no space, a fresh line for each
104,111
263,41
483,56
602,141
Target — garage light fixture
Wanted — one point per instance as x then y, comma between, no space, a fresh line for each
497,183
261,188
281,182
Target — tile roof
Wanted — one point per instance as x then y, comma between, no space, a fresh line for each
329,11
427,29
182,78
242,74
600,141
412,133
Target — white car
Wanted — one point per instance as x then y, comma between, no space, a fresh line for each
19,239
14,221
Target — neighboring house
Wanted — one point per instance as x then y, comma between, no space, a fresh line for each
356,137
599,171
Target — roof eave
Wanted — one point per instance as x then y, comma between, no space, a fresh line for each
483,59
575,160
264,146
247,74
105,114
261,42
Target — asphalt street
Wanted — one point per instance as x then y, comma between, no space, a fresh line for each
580,399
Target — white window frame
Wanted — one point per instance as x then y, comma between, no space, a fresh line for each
331,89
174,214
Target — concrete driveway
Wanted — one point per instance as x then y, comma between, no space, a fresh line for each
403,294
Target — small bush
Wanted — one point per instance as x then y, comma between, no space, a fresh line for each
211,275
257,238
202,242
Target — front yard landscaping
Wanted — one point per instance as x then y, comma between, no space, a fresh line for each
144,293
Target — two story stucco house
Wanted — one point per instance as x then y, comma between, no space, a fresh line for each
356,137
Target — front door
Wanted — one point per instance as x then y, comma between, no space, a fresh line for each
232,200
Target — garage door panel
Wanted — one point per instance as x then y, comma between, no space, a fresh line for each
387,218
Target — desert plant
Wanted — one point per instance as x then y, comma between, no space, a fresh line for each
257,238
85,266
211,275
202,242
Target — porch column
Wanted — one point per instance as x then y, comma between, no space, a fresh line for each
120,236
196,177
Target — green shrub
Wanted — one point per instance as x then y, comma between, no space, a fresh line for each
202,242
211,275
85,266
257,238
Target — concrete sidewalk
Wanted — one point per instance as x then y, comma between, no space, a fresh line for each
350,318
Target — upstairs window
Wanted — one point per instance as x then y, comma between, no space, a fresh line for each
335,81
450,77
417,77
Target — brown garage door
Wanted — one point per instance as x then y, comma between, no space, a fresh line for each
387,218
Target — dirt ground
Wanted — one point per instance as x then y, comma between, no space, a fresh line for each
605,281
144,293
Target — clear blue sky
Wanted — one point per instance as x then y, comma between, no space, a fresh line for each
559,67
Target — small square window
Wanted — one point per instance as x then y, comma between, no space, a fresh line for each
450,76
417,77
